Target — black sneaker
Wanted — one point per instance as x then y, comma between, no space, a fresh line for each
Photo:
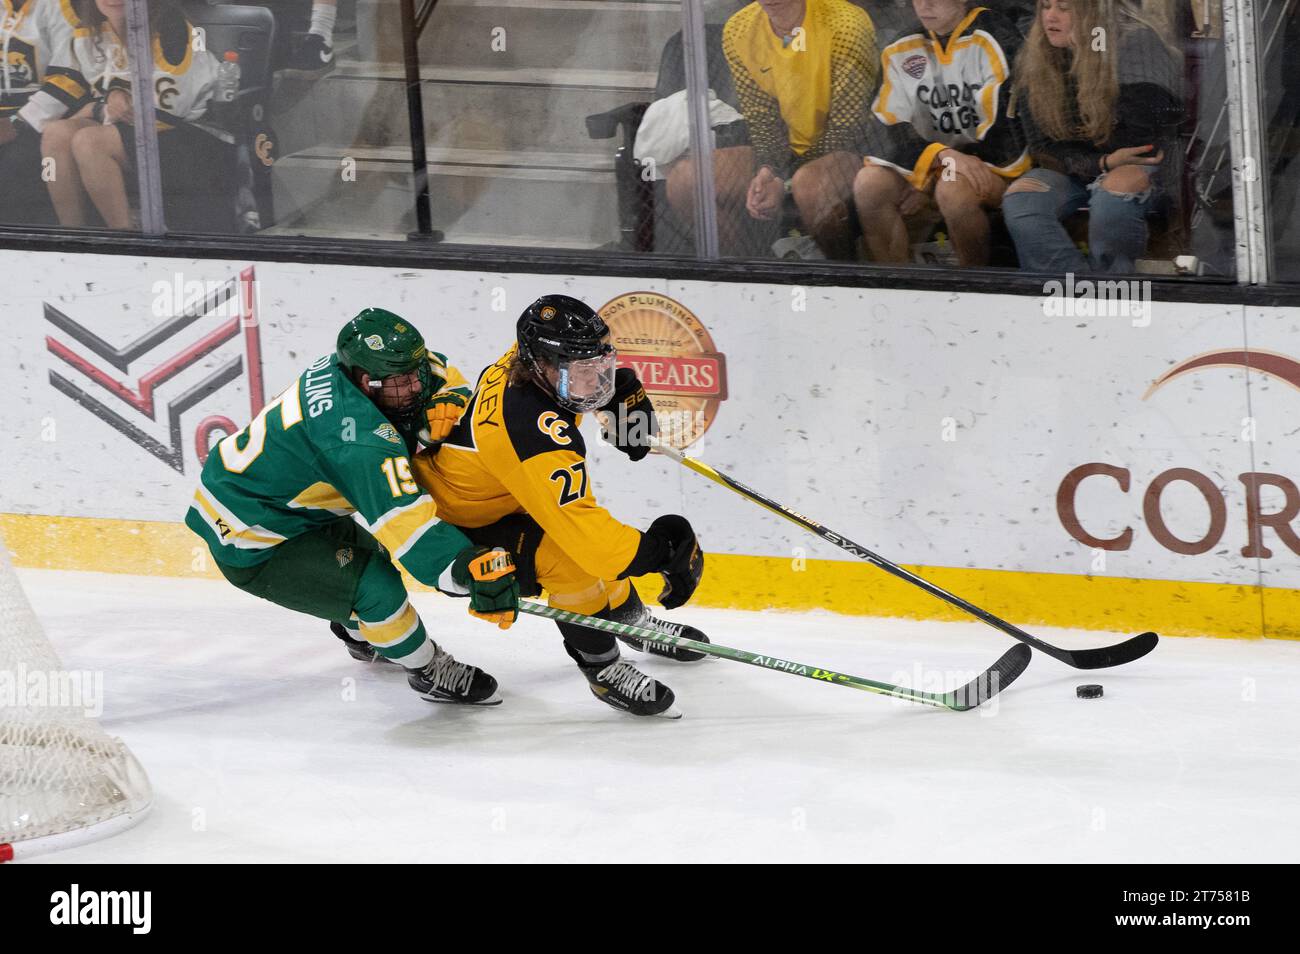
445,680
309,53
634,613
358,649
621,685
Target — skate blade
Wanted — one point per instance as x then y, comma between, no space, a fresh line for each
672,712
492,700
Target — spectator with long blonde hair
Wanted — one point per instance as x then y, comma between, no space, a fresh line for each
1097,91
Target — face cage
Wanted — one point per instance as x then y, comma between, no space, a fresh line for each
389,393
599,371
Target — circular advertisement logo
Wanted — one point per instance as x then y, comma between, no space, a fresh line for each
673,354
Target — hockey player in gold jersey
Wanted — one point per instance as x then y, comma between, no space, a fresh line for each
514,472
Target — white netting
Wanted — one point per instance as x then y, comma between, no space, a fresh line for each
59,771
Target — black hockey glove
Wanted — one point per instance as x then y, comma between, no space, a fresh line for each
683,566
628,421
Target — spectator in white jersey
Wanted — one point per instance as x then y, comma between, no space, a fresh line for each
30,30
83,111
941,135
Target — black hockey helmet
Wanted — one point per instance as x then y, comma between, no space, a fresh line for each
566,346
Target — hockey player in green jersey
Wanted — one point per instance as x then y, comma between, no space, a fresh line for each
277,500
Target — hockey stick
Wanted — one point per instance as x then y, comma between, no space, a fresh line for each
980,689
1133,648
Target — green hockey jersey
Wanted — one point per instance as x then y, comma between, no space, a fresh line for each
319,451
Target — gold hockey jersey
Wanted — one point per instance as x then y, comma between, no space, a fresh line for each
515,450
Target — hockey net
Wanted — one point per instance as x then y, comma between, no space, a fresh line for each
63,780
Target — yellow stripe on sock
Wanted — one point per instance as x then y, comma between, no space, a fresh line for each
393,630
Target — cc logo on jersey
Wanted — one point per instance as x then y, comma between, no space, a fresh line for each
166,90
552,425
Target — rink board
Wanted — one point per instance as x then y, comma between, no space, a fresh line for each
1126,472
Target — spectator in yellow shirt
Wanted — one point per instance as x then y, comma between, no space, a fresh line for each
805,71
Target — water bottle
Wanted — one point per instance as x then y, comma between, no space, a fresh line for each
228,78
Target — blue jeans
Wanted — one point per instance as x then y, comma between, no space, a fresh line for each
1117,224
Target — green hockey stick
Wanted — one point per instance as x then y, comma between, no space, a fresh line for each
980,689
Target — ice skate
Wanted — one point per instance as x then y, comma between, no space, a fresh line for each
619,684
635,613
446,680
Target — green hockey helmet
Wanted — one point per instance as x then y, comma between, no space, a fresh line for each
392,352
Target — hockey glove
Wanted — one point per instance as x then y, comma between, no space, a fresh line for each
684,565
489,575
441,414
628,421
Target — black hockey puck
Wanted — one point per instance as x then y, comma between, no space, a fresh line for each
1088,692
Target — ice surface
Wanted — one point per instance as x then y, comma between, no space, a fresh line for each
266,742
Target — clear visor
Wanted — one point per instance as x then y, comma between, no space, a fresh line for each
584,384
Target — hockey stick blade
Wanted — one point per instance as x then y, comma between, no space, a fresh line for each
1105,656
1133,648
976,692
992,680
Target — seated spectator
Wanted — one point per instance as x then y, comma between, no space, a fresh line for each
663,141
84,114
1097,95
30,32
941,134
804,71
